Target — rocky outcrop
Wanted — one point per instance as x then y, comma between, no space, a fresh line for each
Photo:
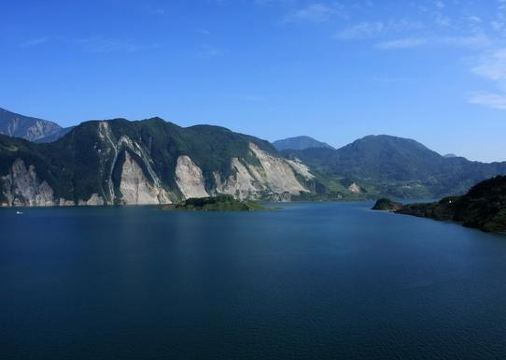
273,177
22,187
300,168
136,189
189,178
32,129
354,188
94,200
276,173
241,184
145,163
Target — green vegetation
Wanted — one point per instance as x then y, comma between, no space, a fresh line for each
385,204
299,143
395,167
218,203
483,207
78,164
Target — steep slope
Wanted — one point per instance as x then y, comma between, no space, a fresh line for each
142,162
483,207
398,167
299,143
29,128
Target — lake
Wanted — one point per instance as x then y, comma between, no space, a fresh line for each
309,281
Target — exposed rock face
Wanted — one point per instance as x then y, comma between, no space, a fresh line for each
274,177
134,168
136,188
355,188
241,184
94,200
276,173
189,178
63,202
301,168
22,187
32,129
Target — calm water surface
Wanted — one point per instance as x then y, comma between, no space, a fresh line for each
311,281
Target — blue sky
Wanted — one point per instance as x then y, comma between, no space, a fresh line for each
430,70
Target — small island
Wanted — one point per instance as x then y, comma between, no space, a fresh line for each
217,203
385,204
483,207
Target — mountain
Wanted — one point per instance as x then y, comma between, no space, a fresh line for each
483,207
144,162
299,143
29,128
397,167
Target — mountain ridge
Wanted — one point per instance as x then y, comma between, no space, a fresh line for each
398,167
370,167
299,143
27,127
142,162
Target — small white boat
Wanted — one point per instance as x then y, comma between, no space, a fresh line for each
19,213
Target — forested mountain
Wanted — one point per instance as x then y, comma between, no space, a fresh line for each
397,167
299,143
483,207
144,162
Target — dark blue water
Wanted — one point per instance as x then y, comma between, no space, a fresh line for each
311,281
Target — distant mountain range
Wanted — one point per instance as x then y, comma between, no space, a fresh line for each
299,143
397,167
144,162
29,128
156,162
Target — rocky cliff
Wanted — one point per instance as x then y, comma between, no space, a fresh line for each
144,162
29,128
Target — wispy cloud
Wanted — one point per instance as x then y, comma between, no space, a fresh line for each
314,13
467,42
99,44
376,29
406,43
471,42
363,30
242,96
157,11
207,51
490,100
202,31
491,66
35,42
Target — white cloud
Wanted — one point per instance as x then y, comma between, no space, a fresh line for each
207,51
363,30
470,42
466,42
35,42
492,66
440,4
375,29
490,100
315,13
99,44
405,43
